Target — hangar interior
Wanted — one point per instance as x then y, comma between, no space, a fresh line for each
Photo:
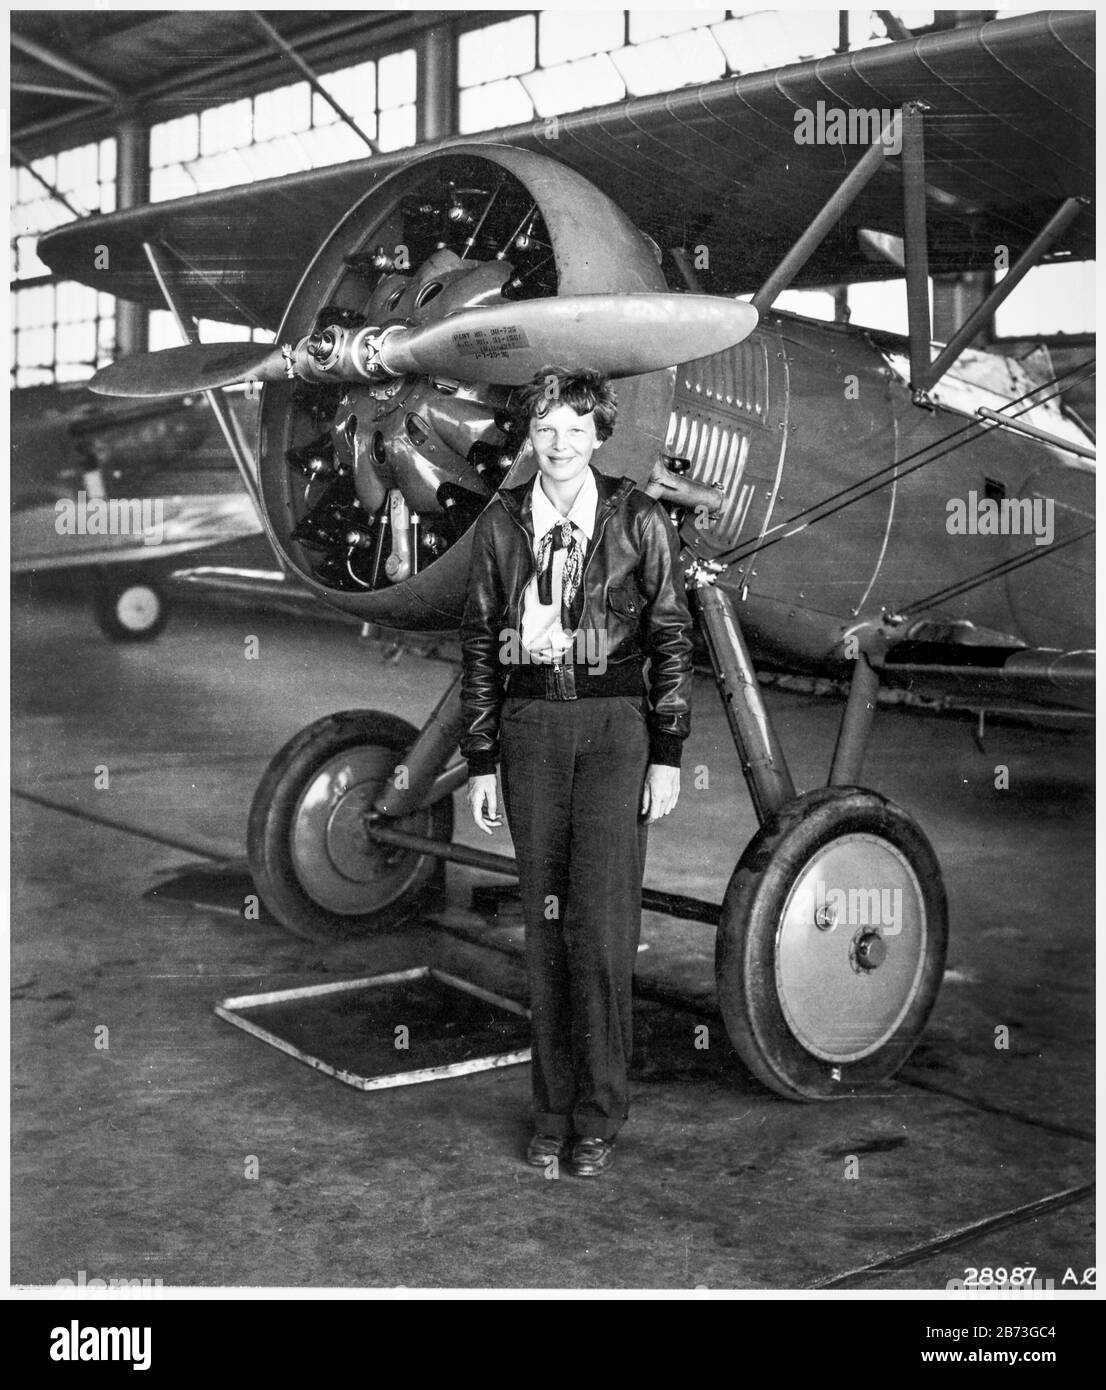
116,109
151,1141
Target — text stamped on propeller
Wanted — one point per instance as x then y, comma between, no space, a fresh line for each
490,342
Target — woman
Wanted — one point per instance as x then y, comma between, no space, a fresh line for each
575,581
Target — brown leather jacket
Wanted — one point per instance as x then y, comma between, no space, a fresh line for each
633,590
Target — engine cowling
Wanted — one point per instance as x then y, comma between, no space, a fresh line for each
343,466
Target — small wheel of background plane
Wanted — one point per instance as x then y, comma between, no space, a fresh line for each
129,607
831,944
312,861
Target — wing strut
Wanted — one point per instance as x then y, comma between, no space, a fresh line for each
915,243
316,86
1054,228
239,448
842,198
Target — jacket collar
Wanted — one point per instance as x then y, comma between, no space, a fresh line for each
545,515
611,491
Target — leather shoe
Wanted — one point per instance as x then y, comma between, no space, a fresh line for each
544,1149
591,1157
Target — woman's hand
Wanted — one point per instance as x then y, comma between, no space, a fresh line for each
482,790
661,791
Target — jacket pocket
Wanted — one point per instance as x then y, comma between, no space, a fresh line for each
626,600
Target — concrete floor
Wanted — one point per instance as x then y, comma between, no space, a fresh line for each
131,1161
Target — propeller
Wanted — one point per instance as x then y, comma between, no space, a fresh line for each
617,334
180,371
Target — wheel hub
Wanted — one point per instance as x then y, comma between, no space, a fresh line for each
333,855
137,607
850,947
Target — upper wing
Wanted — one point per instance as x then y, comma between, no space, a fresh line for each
1009,132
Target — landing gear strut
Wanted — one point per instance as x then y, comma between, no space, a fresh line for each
832,934
832,937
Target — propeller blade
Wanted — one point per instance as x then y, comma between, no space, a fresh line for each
617,334
180,371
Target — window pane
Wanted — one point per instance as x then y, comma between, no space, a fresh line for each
567,34
226,127
221,170
46,168
665,63
810,34
212,331
76,166
105,341
1051,299
73,371
397,79
497,104
653,24
397,128
575,86
164,333
33,376
275,157
36,347
171,182
34,308
280,112
27,259
881,305
499,50
814,304
75,302
355,91
753,43
77,342
175,141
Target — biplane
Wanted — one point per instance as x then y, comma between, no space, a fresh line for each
118,491
810,466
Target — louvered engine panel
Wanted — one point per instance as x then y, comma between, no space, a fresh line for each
721,412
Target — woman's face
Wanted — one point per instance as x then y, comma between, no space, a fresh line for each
563,442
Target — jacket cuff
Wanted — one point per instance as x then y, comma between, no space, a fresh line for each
482,764
666,749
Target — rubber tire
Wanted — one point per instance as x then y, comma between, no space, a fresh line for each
745,950
105,607
274,807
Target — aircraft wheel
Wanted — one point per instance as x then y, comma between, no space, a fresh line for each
831,944
130,608
314,866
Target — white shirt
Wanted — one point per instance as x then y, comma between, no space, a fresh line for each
542,634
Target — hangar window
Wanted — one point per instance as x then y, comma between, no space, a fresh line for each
1051,300
770,38
649,67
164,332
882,305
659,24
60,331
556,61
285,130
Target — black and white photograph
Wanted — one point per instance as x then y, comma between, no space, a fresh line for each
553,661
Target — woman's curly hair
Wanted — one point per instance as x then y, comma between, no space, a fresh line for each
587,392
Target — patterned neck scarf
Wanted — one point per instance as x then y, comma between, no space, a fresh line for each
560,537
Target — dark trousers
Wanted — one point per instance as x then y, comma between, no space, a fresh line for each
573,773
